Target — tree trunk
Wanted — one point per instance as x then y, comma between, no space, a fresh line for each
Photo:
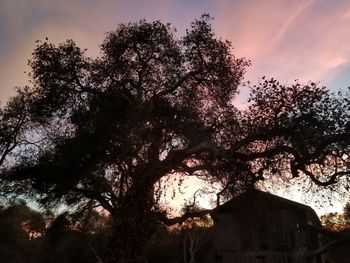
133,226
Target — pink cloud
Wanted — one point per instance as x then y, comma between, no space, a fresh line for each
84,21
285,39
288,39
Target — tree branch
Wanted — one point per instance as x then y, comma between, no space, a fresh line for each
332,179
96,196
325,143
176,157
177,84
267,153
180,219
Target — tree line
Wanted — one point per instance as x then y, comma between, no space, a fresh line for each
28,235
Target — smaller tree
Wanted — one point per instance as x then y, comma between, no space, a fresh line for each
79,237
20,232
337,221
195,235
346,212
194,230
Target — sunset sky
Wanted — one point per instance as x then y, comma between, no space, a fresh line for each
284,39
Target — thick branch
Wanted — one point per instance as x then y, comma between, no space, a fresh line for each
205,146
12,141
96,196
329,141
192,169
259,137
332,179
267,153
6,151
176,157
177,84
180,219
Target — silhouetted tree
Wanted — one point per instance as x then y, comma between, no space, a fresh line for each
29,236
70,240
20,232
109,129
337,222
14,121
346,211
194,237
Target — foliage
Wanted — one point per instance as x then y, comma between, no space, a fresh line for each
337,222
29,236
152,105
20,230
195,235
346,211
62,238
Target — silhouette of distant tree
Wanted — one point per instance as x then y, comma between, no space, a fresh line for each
195,235
29,236
14,121
20,232
337,221
346,211
66,241
109,129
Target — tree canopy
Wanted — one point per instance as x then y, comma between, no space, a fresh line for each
105,131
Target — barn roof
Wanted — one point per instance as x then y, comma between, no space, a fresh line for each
258,200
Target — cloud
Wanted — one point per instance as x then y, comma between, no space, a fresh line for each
85,21
288,39
338,77
255,26
285,39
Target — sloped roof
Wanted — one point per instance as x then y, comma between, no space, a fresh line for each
264,202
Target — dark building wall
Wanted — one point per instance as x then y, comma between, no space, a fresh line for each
264,228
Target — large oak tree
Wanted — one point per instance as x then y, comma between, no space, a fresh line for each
107,130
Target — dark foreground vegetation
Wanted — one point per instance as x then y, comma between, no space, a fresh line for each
27,236
110,131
